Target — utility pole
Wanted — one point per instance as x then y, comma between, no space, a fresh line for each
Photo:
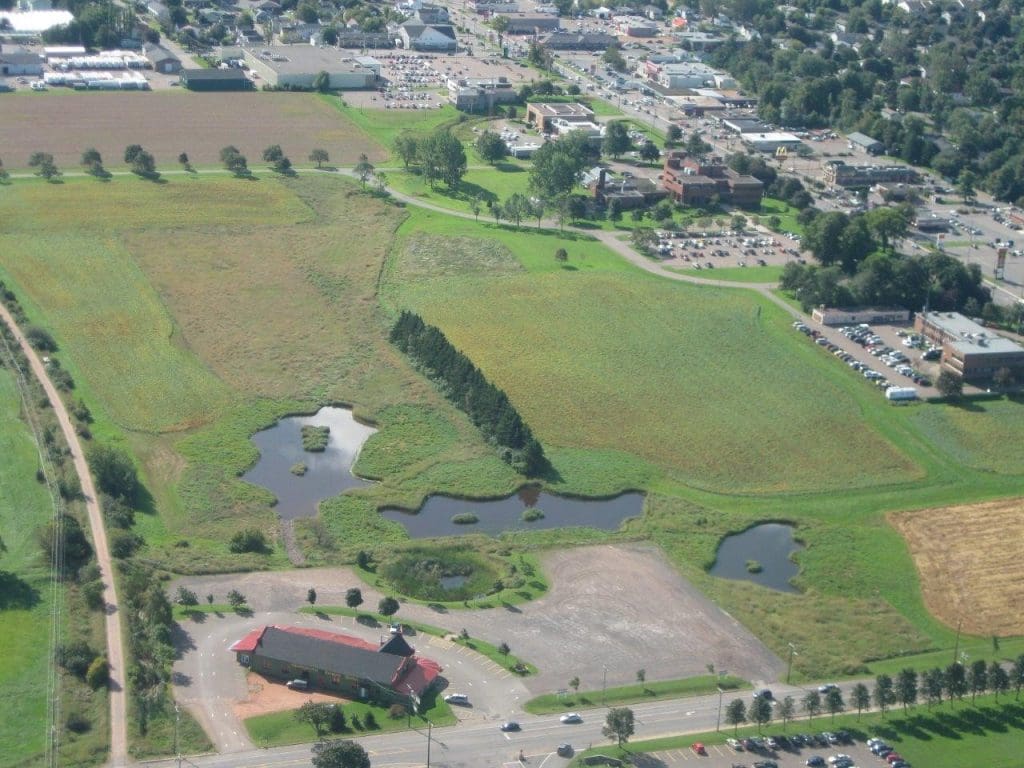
604,687
789,666
177,723
430,726
718,722
956,645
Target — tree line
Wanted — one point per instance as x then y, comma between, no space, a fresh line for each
439,156
907,689
465,385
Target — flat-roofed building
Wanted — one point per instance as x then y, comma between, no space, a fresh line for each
541,115
839,174
230,79
772,141
531,23
297,66
477,94
969,350
865,143
692,181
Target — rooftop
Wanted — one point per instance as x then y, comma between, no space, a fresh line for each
969,337
564,110
298,59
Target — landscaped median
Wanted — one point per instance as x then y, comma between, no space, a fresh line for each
949,735
506,660
550,703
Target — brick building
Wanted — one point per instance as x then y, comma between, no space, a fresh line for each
692,181
969,350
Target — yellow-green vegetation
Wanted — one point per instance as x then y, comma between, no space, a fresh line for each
634,694
27,603
982,435
281,728
314,439
949,735
384,125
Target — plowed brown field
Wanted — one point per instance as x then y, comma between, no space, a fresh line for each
169,123
969,561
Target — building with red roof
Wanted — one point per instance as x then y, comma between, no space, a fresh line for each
385,672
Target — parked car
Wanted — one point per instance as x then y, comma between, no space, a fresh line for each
457,698
699,748
816,761
570,718
734,744
298,684
564,750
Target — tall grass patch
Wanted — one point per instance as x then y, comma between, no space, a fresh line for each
983,435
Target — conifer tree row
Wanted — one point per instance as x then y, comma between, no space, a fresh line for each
466,386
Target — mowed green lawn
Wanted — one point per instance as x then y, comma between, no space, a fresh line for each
983,435
24,643
709,385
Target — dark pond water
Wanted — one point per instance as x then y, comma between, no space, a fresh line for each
435,517
327,473
452,582
770,544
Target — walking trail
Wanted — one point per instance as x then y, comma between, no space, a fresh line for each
115,649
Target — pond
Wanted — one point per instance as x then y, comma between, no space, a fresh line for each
770,545
327,474
494,517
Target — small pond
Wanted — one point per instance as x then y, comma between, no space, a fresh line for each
435,517
327,473
452,582
771,545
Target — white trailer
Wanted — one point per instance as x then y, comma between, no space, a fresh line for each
901,393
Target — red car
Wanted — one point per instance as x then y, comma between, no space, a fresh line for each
892,757
698,748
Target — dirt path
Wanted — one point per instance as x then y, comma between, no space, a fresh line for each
115,649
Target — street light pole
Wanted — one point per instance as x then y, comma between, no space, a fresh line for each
718,722
604,687
789,666
430,726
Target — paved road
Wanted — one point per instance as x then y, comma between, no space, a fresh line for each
115,649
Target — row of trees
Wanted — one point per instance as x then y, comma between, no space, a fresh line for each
466,386
907,689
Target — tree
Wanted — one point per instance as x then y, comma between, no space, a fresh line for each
834,702
273,153
311,596
187,597
353,597
44,165
322,82
619,724
98,673
516,207
114,472
998,679
949,385
248,540
906,687
883,694
317,714
91,156
966,184
861,698
616,139
614,210
504,650
339,754
337,723
131,152
674,134
234,161
236,599
575,684
1017,675
561,255
557,165
184,162
738,223
761,712
641,677
443,157
388,606
787,710
500,25
319,156
144,164
491,147
956,681
736,714
613,58
407,147
364,169
649,152
475,205
811,704
933,682
977,678
887,224
696,146
4,175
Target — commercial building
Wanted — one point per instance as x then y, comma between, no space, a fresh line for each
421,34
388,672
832,316
865,143
541,115
970,351
12,64
297,66
162,60
679,75
771,142
590,41
215,80
839,174
531,23
692,181
480,94
625,193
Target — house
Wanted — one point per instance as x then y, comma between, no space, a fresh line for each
419,36
541,115
162,60
970,351
297,66
12,64
692,181
865,143
389,672
433,14
215,80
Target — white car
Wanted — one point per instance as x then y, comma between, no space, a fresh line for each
827,687
457,698
734,744
570,718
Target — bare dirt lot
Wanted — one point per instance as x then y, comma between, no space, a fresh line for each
968,558
265,697
169,123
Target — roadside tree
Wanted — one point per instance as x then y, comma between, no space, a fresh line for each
319,156
619,724
977,678
131,152
736,714
353,597
884,695
933,683
811,704
144,164
364,170
998,679
613,58
187,597
906,688
339,754
616,139
184,162
761,712
956,681
1017,676
649,152
236,599
834,702
388,606
575,684
91,156
861,698
787,710
44,165
311,596
317,714
491,147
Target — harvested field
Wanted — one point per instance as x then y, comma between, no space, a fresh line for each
968,558
167,124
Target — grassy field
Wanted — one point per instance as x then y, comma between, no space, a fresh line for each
281,728
950,735
633,694
168,123
979,435
385,125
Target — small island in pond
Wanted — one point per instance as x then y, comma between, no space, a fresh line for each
314,439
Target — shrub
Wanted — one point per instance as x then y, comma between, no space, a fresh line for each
753,566
314,439
249,540
357,724
532,514
40,338
370,721
75,658
187,597
337,722
98,674
236,598
78,723
465,518
395,711
92,592
298,469
124,543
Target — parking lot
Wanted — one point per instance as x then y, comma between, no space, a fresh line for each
788,756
